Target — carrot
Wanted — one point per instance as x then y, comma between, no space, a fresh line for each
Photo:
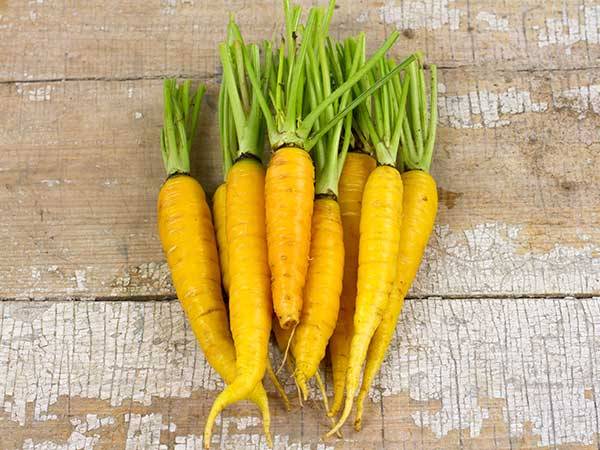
354,176
293,130
187,237
249,290
380,221
324,277
419,210
219,208
220,195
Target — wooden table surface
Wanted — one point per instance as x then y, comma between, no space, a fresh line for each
499,343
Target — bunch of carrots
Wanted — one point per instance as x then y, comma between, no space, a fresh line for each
320,246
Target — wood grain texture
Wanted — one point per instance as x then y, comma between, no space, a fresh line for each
64,39
516,165
472,374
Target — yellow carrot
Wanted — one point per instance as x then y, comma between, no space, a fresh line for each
354,176
379,128
188,241
419,209
324,284
219,208
250,303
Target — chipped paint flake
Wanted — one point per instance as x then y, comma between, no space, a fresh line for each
579,99
569,30
489,259
80,276
445,351
428,14
50,183
525,351
78,440
493,22
143,431
485,109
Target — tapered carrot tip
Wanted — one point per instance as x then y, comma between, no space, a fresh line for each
358,424
301,382
287,322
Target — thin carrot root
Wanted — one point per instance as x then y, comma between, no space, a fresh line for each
273,377
323,391
301,383
287,349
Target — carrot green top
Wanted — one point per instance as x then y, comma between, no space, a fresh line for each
291,119
419,127
241,123
378,121
181,112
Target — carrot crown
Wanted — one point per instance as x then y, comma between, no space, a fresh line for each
241,122
181,113
290,118
419,127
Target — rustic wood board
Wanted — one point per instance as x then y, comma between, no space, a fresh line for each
466,373
66,39
478,367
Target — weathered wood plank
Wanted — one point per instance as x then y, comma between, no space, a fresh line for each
516,165
60,39
474,374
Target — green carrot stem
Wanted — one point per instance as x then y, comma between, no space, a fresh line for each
180,120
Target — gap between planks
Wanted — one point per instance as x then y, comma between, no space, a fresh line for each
172,298
216,77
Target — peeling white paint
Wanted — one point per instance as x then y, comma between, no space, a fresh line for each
428,14
363,17
138,115
536,354
144,431
569,30
579,99
80,280
36,94
50,183
168,7
529,352
493,21
483,108
490,259
78,440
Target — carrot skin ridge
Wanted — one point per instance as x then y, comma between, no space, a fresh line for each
380,220
419,210
354,176
249,291
219,207
187,237
322,290
289,193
